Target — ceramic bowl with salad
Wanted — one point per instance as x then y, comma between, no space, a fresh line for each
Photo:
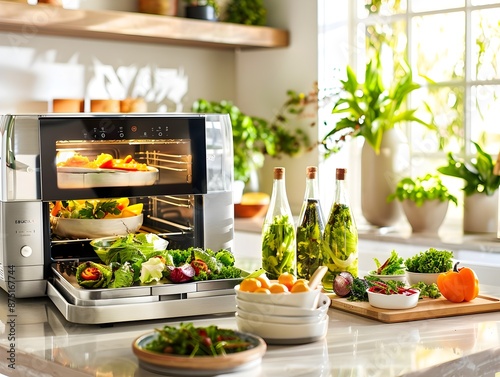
392,295
95,218
392,269
426,266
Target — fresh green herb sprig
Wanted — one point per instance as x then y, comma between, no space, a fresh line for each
90,210
188,340
358,290
427,290
394,265
430,261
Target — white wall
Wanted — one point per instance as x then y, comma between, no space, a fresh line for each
40,68
263,78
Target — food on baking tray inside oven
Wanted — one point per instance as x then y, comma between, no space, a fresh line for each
143,259
78,171
93,218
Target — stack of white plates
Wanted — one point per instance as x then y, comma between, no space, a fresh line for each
281,324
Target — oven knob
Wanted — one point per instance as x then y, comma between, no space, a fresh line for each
26,251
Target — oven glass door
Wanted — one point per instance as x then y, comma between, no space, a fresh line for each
108,156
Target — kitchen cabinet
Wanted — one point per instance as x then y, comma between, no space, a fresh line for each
29,20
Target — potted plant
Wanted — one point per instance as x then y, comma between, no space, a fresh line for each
372,110
246,12
202,9
480,189
424,201
254,137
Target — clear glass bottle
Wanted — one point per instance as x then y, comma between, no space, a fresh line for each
340,238
278,231
310,227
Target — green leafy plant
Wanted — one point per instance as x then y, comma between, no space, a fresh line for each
421,189
254,137
246,12
478,172
370,108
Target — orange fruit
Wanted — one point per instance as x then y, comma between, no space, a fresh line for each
300,287
262,290
249,285
133,210
264,281
278,288
287,279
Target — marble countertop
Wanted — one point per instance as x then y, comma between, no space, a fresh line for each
42,343
38,341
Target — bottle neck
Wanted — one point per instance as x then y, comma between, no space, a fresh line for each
279,201
340,193
312,190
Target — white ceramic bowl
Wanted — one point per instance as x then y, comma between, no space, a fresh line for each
415,277
394,301
306,300
95,228
290,311
401,277
279,319
274,333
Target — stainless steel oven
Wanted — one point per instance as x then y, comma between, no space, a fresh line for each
185,191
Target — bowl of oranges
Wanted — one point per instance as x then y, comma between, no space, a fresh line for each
287,290
282,311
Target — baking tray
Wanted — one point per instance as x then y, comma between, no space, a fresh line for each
71,177
65,282
426,308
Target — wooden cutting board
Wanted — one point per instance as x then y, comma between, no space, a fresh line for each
426,308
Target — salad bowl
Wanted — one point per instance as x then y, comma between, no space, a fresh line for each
394,301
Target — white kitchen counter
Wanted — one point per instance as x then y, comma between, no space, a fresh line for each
47,345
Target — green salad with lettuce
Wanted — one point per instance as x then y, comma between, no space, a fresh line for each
143,259
430,261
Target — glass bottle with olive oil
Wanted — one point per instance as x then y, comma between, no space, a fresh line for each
340,238
278,231
310,227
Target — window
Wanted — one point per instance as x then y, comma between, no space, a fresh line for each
453,48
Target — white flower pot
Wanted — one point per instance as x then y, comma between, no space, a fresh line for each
426,218
380,174
481,213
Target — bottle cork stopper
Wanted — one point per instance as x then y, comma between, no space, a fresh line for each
340,173
311,172
279,173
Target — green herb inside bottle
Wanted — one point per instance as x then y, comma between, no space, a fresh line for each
340,239
278,247
309,234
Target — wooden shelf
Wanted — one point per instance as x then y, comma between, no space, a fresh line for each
136,27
